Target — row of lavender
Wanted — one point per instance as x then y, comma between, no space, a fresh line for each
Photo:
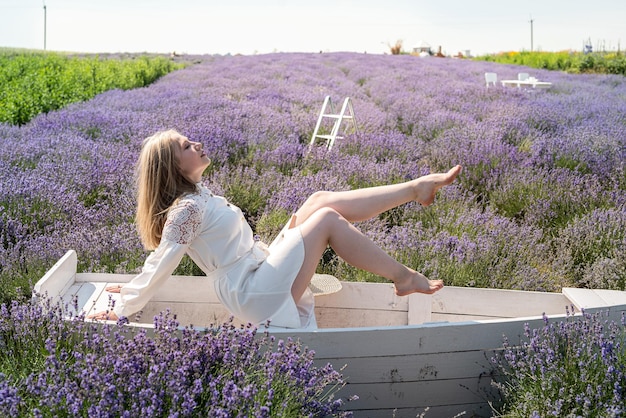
541,202
50,367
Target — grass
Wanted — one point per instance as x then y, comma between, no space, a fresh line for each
569,61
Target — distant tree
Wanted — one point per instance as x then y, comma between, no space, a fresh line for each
397,48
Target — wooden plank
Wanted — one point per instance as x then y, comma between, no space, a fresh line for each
59,278
588,298
477,410
69,301
358,295
420,339
198,315
612,297
420,308
356,305
415,367
104,278
410,339
205,314
459,381
339,317
497,302
447,317
102,299
87,295
190,289
80,298
584,298
459,392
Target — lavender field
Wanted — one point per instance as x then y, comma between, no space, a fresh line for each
541,202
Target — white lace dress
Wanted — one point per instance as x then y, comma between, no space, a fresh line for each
252,280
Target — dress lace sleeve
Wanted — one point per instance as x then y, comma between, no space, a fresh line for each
182,226
183,223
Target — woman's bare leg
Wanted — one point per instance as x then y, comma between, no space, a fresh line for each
328,227
326,219
361,204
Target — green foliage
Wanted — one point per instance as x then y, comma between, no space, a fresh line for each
32,83
271,223
549,202
569,61
594,249
24,347
251,197
17,287
188,268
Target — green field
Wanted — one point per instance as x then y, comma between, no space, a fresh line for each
35,82
569,61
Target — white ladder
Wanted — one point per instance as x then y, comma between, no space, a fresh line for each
346,113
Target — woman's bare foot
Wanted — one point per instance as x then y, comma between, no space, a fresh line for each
104,315
417,283
428,186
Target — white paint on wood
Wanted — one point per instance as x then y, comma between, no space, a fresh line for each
414,367
196,315
359,295
420,308
342,318
612,297
419,394
89,294
80,298
59,278
479,410
497,302
587,298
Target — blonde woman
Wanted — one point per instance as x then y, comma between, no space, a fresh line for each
176,215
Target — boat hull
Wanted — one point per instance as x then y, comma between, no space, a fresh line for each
402,356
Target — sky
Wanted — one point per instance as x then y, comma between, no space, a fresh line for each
264,26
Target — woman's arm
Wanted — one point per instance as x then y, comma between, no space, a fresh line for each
157,268
180,229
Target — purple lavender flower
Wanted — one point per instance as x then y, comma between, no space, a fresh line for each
539,160
567,367
83,368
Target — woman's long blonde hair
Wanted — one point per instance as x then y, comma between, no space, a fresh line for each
159,184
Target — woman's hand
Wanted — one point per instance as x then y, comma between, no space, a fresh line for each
114,289
104,315
107,315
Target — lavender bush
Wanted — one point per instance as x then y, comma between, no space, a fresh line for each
542,169
54,367
572,368
593,249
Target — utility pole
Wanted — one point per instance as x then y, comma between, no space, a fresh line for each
44,25
531,34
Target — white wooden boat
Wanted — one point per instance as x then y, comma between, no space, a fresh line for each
403,355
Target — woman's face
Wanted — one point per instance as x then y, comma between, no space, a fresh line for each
191,158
